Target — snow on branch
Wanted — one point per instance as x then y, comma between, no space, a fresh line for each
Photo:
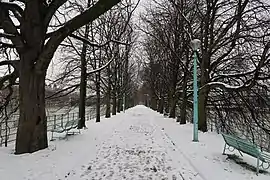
6,35
229,87
85,40
15,8
101,68
6,45
70,26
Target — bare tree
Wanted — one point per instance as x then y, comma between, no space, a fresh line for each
35,46
233,59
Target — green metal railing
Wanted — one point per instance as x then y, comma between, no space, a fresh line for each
8,129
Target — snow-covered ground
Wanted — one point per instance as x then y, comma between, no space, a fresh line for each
139,144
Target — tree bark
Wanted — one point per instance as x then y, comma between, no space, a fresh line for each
114,91
173,107
119,89
203,96
203,93
153,102
114,103
119,104
98,97
32,128
83,83
161,105
183,107
108,95
183,110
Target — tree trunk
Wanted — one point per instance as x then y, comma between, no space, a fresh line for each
83,82
183,107
98,97
183,110
108,95
161,105
167,106
114,103
32,128
173,107
108,104
153,102
81,123
203,93
119,104
120,89
202,124
114,91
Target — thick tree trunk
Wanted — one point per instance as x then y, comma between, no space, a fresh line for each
32,128
202,124
203,93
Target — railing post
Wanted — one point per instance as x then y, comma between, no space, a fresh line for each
211,121
6,133
62,116
54,121
90,114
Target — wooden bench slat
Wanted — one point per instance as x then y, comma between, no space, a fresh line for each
266,156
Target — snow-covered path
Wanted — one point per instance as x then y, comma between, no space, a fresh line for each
139,144
137,149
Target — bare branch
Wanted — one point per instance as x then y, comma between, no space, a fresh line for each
58,36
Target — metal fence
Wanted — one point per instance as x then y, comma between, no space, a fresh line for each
8,129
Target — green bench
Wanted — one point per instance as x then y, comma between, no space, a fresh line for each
65,127
248,148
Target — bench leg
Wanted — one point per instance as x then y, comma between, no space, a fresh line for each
224,149
52,136
67,135
240,153
258,162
